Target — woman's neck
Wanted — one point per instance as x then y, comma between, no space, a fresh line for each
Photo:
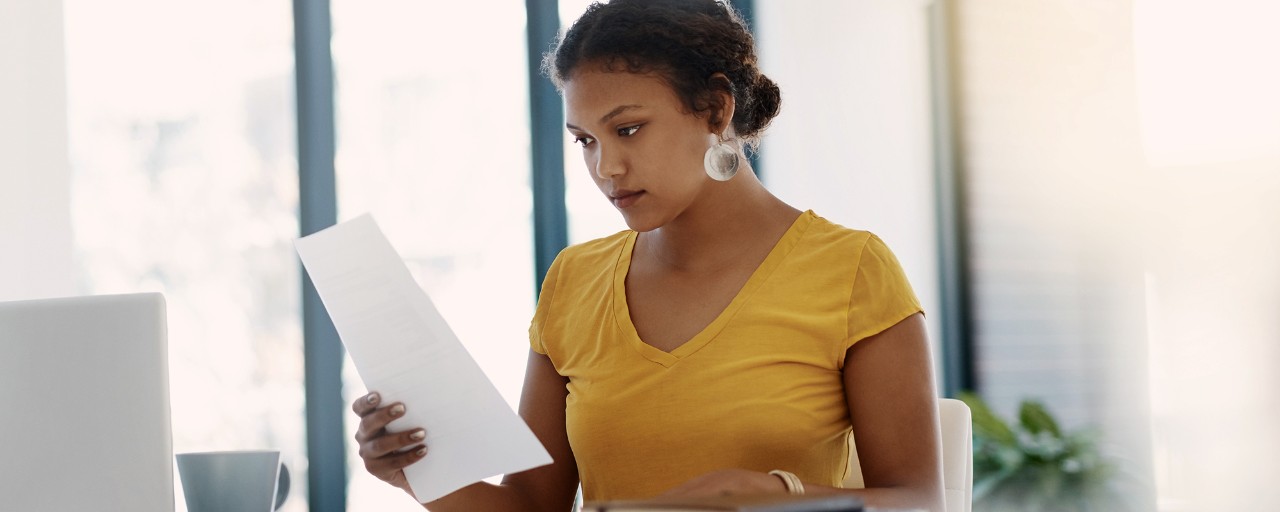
733,220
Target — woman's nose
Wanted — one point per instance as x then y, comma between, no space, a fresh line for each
609,164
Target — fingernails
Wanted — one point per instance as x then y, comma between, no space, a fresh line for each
372,398
418,435
397,410
421,451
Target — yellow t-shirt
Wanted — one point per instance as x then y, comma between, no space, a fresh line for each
759,388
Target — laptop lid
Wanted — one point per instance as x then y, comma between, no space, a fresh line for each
84,391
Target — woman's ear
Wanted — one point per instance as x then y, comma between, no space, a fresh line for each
722,104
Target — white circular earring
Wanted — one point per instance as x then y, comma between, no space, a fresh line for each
721,161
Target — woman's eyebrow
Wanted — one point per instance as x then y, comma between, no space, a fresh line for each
612,114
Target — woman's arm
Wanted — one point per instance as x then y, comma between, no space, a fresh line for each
893,404
888,380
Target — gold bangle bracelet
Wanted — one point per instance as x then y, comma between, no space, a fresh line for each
789,479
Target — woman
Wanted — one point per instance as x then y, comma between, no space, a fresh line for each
726,335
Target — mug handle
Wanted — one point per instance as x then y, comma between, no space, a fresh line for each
282,486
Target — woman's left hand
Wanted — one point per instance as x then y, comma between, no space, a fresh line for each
729,481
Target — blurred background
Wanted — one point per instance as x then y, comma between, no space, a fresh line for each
1084,193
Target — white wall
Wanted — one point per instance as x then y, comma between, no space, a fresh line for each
853,141
35,190
1210,119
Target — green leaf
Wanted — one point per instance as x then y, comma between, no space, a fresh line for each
1023,466
986,423
1035,419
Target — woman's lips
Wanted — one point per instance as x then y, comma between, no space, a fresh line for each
625,198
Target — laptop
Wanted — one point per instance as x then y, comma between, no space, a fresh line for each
84,390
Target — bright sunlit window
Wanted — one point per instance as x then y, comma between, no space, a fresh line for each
433,140
184,181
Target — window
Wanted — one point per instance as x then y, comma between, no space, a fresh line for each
433,140
184,181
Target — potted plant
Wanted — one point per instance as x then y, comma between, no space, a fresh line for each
1032,465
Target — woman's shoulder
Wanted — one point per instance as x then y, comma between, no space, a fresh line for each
580,272
831,245
831,237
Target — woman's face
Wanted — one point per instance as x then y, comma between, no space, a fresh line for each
643,149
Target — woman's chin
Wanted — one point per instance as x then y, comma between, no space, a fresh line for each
640,223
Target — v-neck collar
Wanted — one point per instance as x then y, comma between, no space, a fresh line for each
622,312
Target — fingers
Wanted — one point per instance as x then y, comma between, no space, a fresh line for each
390,467
386,456
365,404
391,444
374,423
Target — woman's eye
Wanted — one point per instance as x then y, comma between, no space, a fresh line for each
628,131
583,141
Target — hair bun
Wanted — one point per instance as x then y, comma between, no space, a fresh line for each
767,100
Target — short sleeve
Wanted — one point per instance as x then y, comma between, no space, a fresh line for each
541,312
881,295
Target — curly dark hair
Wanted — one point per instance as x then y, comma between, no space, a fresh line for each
693,44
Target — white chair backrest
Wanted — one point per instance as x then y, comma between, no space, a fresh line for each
957,454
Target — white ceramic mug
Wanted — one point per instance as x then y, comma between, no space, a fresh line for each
233,481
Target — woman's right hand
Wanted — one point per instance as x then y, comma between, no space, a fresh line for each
386,454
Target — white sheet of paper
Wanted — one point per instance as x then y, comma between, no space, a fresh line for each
404,350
